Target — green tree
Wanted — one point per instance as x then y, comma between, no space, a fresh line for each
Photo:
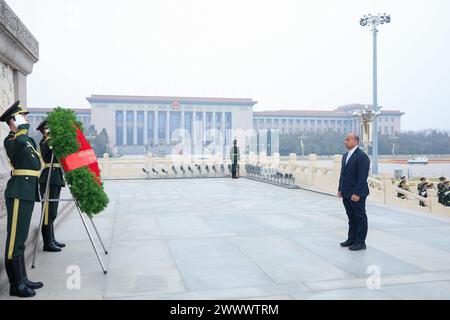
321,143
330,143
100,143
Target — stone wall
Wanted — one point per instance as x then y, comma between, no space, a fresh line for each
19,51
6,99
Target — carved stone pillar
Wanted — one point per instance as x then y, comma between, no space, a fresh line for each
312,158
19,51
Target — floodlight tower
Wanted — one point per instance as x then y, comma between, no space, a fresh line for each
373,21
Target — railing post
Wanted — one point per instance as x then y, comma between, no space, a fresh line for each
432,200
148,161
252,158
292,162
312,158
106,169
276,160
262,159
337,164
388,188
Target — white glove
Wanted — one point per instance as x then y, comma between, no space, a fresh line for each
19,120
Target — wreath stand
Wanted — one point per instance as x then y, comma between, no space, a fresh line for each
45,202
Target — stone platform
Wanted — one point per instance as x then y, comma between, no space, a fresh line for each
242,239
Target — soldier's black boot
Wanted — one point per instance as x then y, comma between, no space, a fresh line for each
8,268
18,288
29,283
57,243
49,246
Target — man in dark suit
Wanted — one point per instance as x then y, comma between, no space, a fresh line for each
353,189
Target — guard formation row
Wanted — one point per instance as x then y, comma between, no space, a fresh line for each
423,187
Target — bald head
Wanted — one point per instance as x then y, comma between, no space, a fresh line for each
351,141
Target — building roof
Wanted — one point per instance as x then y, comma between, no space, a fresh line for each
358,106
341,112
47,110
165,99
301,113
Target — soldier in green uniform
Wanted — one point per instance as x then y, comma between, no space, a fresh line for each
422,189
56,183
20,195
441,187
420,185
403,185
446,196
235,157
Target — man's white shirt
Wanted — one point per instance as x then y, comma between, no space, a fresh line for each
350,153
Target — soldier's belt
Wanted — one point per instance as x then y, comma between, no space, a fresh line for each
55,165
27,173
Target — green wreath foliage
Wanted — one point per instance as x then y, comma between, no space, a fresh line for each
91,196
62,124
83,183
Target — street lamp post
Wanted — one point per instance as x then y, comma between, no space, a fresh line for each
393,138
373,21
367,118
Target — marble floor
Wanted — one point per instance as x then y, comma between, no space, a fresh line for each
242,239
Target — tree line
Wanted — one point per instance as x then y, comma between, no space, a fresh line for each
330,143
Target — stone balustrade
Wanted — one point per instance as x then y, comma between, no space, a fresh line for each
311,174
315,176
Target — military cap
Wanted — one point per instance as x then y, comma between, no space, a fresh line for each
42,126
403,178
15,109
423,179
442,179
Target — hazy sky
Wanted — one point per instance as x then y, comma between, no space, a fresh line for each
286,54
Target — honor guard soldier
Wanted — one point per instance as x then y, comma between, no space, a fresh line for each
422,189
235,156
423,182
404,185
20,195
55,184
446,196
441,188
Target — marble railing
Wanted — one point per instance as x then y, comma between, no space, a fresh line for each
311,174
314,175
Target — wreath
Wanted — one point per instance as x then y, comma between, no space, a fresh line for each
76,156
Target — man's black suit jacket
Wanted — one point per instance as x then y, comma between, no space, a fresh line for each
354,174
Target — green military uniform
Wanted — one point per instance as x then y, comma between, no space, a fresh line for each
55,184
20,195
235,157
446,194
422,189
441,189
403,185
22,189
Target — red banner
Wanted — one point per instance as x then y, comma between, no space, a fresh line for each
79,159
84,157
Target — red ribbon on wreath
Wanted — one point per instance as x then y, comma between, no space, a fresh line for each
84,157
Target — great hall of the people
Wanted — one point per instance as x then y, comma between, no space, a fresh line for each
139,124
